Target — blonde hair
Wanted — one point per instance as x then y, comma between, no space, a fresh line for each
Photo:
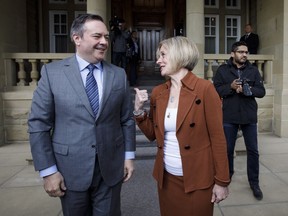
183,53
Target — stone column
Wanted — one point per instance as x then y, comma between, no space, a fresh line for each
195,30
102,8
275,41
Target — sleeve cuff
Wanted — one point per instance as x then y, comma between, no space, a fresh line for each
48,171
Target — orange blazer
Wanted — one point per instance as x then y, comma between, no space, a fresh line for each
199,131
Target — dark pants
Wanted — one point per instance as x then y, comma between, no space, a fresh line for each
119,57
250,137
98,200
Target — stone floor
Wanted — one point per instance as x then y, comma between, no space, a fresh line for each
22,194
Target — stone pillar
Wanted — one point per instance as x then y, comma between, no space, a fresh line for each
102,8
97,7
195,30
275,42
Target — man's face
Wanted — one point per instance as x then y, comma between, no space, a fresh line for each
240,55
248,29
93,45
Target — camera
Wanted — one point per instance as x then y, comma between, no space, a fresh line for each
114,22
245,86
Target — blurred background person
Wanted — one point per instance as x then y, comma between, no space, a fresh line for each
119,36
251,39
133,57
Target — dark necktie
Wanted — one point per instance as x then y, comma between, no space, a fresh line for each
92,89
246,36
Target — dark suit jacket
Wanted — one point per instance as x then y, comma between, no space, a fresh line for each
252,42
64,132
199,131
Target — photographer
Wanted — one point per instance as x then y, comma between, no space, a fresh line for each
119,36
238,83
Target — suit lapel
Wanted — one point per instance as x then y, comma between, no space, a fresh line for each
72,72
108,76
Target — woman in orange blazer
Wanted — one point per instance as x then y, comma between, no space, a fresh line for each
185,118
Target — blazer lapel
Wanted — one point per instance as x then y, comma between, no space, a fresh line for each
161,105
72,72
186,101
186,98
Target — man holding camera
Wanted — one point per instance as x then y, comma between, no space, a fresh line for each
119,36
238,83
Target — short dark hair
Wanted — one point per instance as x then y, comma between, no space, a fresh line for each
78,23
237,44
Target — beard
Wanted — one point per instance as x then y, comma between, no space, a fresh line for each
240,61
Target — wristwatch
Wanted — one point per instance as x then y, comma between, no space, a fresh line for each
138,113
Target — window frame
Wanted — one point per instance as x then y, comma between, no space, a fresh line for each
212,6
216,31
52,34
238,6
238,18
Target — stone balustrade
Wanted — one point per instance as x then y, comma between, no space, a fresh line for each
264,64
23,69
22,72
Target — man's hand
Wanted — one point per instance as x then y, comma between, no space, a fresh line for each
128,169
54,185
236,85
219,193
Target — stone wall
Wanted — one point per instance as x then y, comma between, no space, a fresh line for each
17,106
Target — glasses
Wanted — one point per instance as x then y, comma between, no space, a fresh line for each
242,52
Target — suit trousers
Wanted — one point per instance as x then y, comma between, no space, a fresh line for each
251,142
98,200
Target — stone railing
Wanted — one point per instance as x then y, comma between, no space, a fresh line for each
264,64
22,70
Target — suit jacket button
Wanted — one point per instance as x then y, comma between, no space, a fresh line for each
187,147
93,146
159,146
192,124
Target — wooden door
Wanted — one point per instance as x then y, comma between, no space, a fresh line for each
149,38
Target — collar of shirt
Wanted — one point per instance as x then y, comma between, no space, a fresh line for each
83,64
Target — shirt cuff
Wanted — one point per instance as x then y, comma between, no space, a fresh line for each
48,171
129,155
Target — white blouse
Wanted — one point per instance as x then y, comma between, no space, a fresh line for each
172,158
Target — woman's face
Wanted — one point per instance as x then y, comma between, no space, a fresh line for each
163,62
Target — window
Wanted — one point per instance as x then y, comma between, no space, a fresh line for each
211,3
232,31
211,34
233,4
58,31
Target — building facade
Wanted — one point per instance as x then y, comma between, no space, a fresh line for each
41,28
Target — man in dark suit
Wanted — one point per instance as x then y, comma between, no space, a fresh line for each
251,39
83,148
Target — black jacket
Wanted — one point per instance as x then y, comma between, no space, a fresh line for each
252,42
238,108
